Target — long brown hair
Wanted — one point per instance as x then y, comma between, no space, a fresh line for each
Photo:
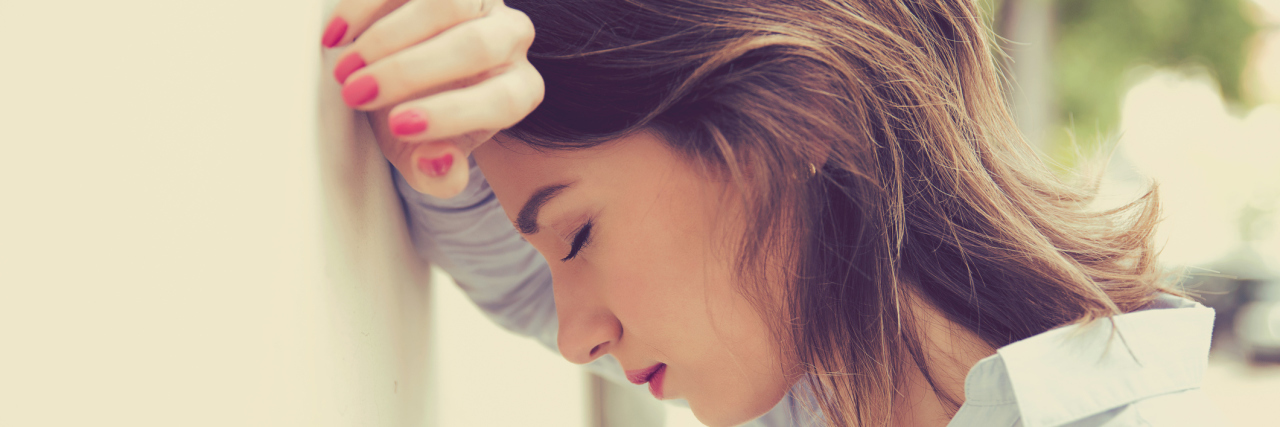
877,159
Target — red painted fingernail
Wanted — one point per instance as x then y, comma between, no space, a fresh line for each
333,34
349,64
360,91
436,167
407,123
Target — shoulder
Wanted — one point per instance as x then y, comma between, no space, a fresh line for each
1136,369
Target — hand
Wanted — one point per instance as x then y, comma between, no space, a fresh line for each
440,76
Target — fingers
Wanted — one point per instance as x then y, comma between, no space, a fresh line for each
410,25
393,27
437,168
463,50
461,62
352,17
497,103
440,169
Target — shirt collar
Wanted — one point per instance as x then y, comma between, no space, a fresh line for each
1076,371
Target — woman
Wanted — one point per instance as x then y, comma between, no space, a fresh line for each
772,209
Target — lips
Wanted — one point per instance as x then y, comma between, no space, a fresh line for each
652,375
641,376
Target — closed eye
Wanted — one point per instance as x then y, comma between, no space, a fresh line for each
580,240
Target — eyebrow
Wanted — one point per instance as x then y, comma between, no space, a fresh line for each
527,219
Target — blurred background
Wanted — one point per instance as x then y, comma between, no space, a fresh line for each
195,231
1186,94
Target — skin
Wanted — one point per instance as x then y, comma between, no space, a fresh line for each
457,68
654,282
652,285
950,350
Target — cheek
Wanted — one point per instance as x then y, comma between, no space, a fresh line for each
655,246
673,292
655,274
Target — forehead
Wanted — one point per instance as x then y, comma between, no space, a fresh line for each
504,157
515,170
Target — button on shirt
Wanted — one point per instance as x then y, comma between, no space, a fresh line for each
1146,371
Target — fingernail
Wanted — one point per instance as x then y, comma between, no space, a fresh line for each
408,123
436,167
360,91
349,64
333,34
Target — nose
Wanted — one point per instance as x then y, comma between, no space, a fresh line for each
588,329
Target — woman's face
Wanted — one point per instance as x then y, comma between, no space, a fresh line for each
650,281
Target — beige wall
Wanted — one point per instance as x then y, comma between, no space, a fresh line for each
195,231
181,242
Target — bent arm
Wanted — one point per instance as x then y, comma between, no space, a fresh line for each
470,238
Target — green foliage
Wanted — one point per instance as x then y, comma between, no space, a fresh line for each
1099,41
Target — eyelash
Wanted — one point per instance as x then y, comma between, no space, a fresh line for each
580,240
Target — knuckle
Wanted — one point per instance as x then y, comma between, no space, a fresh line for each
521,25
537,86
483,7
481,48
515,102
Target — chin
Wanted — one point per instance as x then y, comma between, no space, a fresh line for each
733,413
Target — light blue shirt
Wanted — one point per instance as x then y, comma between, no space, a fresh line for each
1147,373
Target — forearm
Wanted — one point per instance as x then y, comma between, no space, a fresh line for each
470,238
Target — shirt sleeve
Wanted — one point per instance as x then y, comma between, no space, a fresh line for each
470,238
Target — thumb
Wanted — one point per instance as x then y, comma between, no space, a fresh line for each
441,168
437,169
